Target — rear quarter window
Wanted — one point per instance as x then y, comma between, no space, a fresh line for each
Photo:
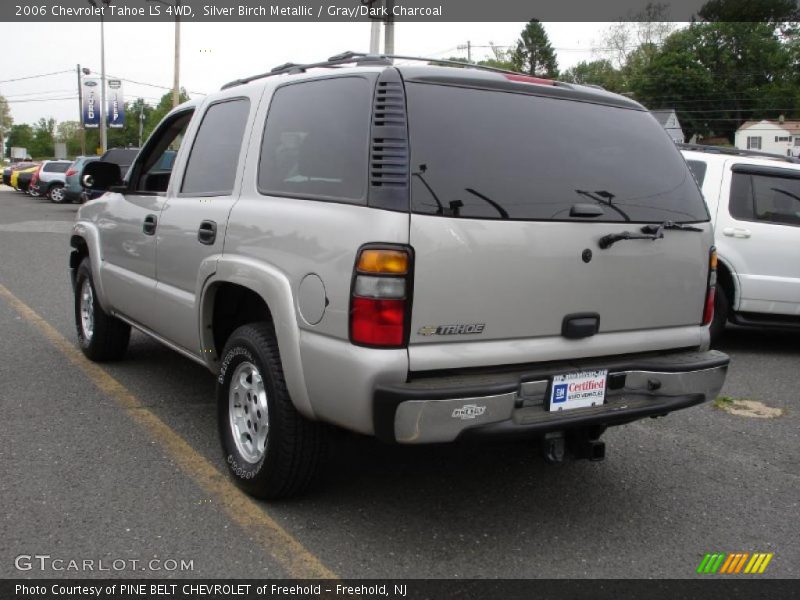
316,140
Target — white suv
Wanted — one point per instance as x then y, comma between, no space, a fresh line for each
754,201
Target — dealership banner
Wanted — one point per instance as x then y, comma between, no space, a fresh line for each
91,103
363,10
115,104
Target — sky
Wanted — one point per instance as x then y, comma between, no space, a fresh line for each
215,53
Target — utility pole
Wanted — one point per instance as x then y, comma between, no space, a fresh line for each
375,37
468,48
176,79
141,122
103,136
103,108
388,32
176,90
80,113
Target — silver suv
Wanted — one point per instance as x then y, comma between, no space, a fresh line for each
419,253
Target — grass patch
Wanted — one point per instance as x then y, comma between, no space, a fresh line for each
724,401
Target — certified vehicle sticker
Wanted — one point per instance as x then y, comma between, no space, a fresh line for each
578,390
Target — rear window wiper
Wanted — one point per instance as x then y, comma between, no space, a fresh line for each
648,232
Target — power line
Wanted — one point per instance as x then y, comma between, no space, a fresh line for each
38,93
35,76
42,100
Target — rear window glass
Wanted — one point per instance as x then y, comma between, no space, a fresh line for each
493,155
698,169
121,156
56,167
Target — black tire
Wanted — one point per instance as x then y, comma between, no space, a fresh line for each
109,337
294,445
721,312
56,194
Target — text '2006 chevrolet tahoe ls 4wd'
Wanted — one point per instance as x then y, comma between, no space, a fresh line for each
418,253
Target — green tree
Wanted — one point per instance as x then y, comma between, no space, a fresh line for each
69,132
718,75
533,54
597,72
160,111
42,145
19,136
6,121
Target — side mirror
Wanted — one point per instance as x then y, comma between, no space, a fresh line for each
100,176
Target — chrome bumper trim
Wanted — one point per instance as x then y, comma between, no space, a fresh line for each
430,421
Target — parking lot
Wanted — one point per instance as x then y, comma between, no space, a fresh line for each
123,462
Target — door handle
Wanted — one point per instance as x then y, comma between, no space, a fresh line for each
207,233
149,225
739,232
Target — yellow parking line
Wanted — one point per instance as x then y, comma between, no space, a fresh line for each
287,551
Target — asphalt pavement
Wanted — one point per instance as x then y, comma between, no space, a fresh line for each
85,476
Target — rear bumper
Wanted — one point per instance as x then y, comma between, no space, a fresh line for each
442,409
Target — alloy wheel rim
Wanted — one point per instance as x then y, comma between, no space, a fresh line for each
57,194
248,412
87,310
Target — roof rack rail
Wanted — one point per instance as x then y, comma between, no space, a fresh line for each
360,58
736,152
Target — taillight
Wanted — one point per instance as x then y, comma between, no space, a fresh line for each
71,172
381,295
711,291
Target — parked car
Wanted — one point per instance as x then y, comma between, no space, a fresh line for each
21,178
754,201
9,171
418,253
72,178
50,180
122,157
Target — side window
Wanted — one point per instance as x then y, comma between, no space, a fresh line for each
777,199
316,140
741,198
211,170
152,171
698,169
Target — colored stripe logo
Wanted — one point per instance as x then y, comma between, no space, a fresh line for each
734,563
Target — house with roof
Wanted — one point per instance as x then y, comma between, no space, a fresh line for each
779,136
669,121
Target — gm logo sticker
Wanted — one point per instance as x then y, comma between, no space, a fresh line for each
560,392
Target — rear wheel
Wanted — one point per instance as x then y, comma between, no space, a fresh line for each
272,451
721,312
56,193
100,336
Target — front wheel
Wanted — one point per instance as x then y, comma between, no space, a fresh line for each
271,450
100,336
56,194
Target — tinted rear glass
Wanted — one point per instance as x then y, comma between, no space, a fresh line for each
121,156
494,155
57,167
316,139
698,169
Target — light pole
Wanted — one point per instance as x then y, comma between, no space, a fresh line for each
103,136
175,5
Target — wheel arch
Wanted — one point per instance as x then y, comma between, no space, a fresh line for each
726,278
242,291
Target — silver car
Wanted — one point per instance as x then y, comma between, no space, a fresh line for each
50,180
418,253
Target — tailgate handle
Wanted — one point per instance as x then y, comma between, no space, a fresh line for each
580,325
